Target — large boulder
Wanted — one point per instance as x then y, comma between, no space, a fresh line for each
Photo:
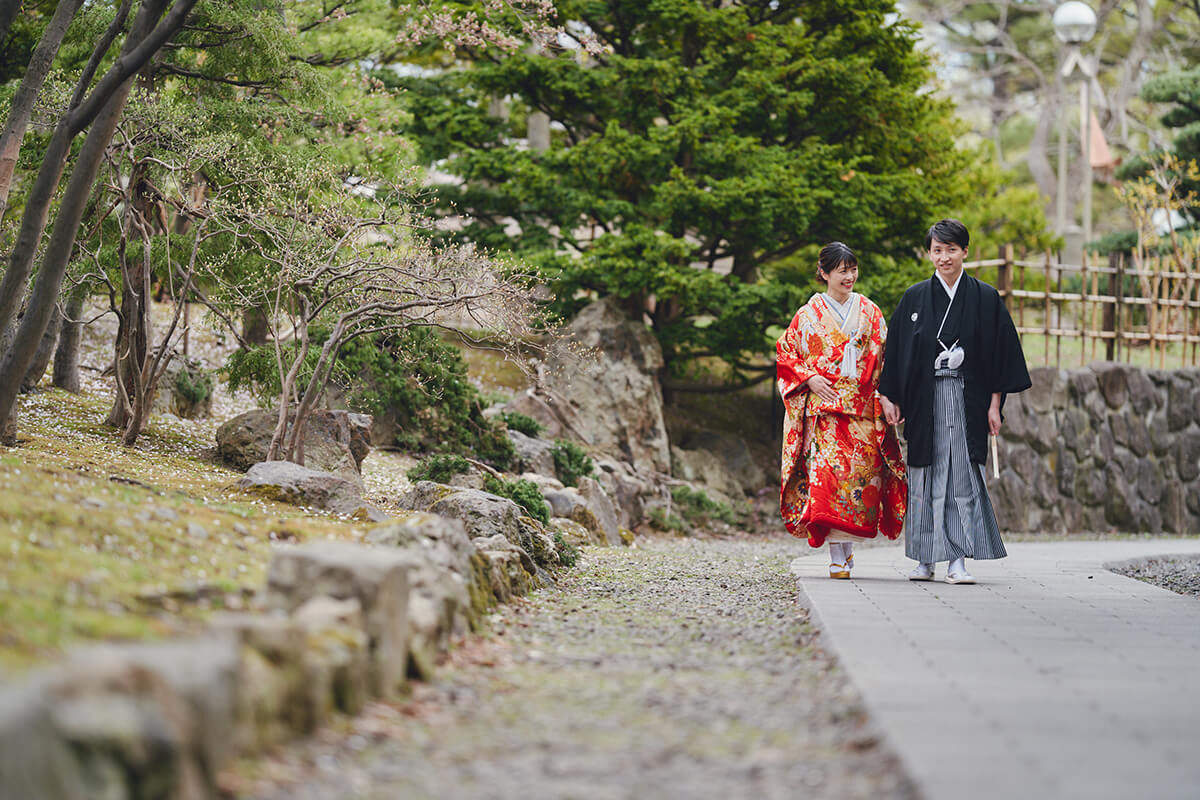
602,508
575,534
509,569
705,468
275,702
482,513
443,539
594,511
610,399
143,720
334,441
547,407
631,491
292,483
378,578
533,454
122,721
441,601
35,761
734,455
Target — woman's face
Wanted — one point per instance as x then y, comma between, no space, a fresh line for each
842,278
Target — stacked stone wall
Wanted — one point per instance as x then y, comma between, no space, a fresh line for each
1104,448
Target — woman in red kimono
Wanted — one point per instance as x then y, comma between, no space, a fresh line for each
843,474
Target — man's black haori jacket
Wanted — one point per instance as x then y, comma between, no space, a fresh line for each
993,362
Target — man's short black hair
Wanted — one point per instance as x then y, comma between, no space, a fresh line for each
948,231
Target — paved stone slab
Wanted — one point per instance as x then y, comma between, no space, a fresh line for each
1073,681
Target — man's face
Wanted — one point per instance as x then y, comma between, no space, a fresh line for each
947,258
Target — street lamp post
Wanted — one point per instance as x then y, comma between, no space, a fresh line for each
1074,25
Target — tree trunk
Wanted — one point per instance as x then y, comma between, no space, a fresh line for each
31,84
133,333
254,326
103,108
745,266
1039,162
45,350
66,358
33,225
293,449
8,12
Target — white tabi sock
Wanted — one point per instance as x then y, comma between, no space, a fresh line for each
957,566
836,554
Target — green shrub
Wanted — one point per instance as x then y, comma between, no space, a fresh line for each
568,554
694,509
522,492
659,518
409,375
440,468
698,508
193,384
521,423
255,371
571,462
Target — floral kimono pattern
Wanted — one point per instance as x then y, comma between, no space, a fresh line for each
842,470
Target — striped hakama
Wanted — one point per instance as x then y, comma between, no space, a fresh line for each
949,512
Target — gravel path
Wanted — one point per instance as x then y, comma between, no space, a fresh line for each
1178,573
681,668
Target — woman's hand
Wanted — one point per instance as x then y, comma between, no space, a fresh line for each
891,411
822,389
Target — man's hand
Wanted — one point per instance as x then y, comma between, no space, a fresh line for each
822,389
891,411
994,416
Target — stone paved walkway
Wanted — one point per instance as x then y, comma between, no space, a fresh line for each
1051,678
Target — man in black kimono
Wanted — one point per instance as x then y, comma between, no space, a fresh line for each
952,355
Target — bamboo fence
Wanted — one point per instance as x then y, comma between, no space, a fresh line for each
1116,306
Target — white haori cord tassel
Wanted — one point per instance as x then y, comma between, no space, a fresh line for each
995,458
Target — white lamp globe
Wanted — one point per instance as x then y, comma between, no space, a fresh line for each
1074,22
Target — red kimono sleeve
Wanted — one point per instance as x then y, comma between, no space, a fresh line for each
792,365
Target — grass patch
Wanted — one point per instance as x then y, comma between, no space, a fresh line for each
102,541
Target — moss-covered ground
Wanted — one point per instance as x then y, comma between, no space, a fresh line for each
103,541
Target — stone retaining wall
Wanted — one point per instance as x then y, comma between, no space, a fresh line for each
1108,447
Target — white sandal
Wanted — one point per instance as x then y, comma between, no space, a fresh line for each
921,572
960,577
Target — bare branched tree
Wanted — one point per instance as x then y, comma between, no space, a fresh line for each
354,275
1001,60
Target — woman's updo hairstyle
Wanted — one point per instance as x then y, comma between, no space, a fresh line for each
832,255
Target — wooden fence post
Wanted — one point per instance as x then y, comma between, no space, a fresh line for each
1004,275
1046,305
1110,311
1083,310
